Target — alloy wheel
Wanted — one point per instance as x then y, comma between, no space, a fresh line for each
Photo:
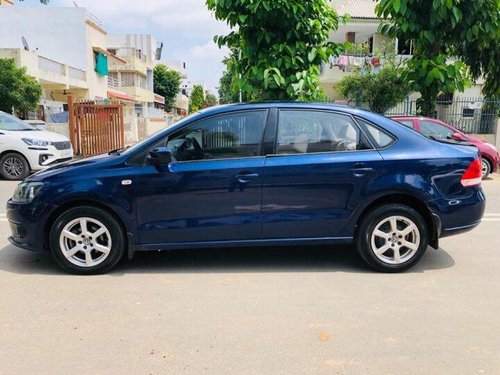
13,167
395,240
85,242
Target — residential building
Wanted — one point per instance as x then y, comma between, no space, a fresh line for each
135,78
58,46
362,29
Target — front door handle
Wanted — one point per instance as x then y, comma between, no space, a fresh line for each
360,169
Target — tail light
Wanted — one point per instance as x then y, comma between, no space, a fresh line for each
473,174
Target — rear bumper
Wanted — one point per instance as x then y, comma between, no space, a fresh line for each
461,214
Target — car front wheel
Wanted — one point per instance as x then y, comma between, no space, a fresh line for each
392,238
14,166
87,240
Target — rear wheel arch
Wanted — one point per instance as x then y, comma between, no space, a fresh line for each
412,202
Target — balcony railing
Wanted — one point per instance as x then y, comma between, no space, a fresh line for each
76,73
50,65
127,52
115,82
92,18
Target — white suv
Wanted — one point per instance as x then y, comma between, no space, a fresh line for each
24,149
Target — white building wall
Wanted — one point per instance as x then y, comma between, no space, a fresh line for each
98,85
58,33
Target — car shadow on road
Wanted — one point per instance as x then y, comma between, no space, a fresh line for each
256,259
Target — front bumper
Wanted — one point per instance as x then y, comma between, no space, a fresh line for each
44,157
27,224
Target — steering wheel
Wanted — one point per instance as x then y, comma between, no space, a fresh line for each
190,149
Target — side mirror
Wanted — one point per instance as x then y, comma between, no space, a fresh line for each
458,137
160,156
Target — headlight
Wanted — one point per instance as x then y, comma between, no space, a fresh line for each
36,142
26,191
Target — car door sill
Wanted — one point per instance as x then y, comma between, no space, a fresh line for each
243,243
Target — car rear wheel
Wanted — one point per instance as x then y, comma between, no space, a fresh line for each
485,168
87,240
392,238
14,166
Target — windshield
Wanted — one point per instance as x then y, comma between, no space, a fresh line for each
11,123
138,145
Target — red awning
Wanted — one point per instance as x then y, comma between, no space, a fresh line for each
120,95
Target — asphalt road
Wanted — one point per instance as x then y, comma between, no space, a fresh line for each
311,310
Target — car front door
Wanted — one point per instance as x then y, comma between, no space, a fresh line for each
316,176
211,191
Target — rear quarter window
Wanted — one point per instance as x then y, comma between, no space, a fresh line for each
380,138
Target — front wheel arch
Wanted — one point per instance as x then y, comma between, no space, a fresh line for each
77,203
490,163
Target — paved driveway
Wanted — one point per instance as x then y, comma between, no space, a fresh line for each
311,310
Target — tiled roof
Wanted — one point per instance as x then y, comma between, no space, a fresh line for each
356,8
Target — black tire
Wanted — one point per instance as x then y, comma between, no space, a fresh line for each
367,241
95,219
14,166
485,168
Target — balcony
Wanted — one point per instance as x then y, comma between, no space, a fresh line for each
136,61
115,82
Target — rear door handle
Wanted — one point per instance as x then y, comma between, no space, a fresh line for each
244,178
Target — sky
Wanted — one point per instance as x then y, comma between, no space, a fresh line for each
185,27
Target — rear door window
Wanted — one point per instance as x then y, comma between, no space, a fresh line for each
307,131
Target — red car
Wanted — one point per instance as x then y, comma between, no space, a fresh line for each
490,158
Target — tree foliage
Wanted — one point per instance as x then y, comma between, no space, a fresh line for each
210,100
378,90
197,99
17,88
440,29
228,91
279,45
167,83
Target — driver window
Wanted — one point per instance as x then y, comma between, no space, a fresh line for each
233,135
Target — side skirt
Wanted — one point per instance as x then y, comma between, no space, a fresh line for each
247,243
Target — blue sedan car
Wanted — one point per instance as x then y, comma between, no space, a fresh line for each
256,174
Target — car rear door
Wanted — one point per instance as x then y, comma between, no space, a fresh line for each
317,174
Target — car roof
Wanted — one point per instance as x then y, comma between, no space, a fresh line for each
298,105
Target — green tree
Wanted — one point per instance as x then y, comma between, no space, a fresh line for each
378,90
17,88
440,29
279,45
210,100
228,91
167,83
197,99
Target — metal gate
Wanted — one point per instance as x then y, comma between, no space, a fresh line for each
95,128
